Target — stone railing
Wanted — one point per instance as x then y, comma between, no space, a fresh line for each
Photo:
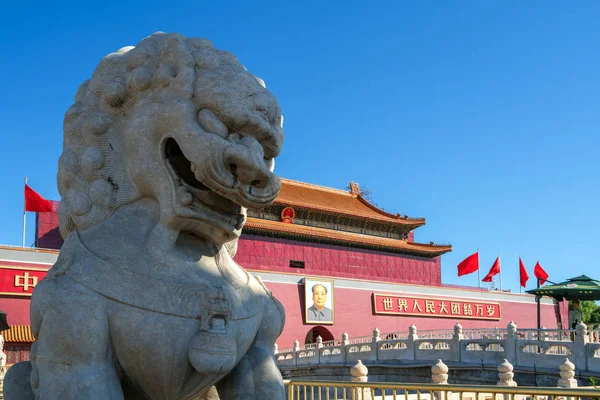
360,388
528,348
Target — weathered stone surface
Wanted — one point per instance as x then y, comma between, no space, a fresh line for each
567,375
210,395
359,372
164,148
16,382
506,374
2,361
439,373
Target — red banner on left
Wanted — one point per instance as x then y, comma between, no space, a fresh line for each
19,281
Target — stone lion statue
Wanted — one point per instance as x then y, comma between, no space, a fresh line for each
165,148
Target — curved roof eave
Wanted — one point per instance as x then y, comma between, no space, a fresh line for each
427,250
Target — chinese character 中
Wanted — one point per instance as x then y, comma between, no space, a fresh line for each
25,281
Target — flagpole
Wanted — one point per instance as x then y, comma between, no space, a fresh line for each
520,288
538,300
478,277
24,217
500,273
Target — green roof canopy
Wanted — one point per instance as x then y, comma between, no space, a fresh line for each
578,288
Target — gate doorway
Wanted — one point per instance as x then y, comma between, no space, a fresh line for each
311,336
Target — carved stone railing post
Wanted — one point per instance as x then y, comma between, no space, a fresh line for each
511,345
506,375
359,373
579,346
319,342
581,333
439,376
412,337
275,349
456,339
375,345
543,334
345,344
458,332
567,377
345,340
496,335
376,335
319,347
412,332
296,351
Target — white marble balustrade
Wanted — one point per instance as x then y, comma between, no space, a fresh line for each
542,348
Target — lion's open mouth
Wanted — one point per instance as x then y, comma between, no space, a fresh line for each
184,169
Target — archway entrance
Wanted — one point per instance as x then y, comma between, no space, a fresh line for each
311,336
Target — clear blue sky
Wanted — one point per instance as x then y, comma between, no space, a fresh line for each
481,116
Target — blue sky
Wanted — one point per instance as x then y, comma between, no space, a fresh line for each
480,116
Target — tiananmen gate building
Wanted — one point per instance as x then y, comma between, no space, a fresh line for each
336,262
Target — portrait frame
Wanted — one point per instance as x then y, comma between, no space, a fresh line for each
309,312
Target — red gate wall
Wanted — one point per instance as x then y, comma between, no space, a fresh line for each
274,254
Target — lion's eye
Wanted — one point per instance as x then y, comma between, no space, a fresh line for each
210,122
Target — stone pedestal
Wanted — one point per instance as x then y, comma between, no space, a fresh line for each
567,374
439,376
359,374
505,376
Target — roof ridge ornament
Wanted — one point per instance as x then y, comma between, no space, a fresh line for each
354,189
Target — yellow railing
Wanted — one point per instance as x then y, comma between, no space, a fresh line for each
329,390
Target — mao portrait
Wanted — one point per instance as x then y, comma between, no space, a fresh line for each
318,301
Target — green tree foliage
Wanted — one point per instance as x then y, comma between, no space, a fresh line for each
590,312
595,318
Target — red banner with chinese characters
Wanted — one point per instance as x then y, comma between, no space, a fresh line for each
19,280
434,307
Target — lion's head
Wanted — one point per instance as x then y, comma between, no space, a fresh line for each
172,121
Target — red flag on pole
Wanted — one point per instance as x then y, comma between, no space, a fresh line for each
523,273
495,270
469,264
36,203
539,273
